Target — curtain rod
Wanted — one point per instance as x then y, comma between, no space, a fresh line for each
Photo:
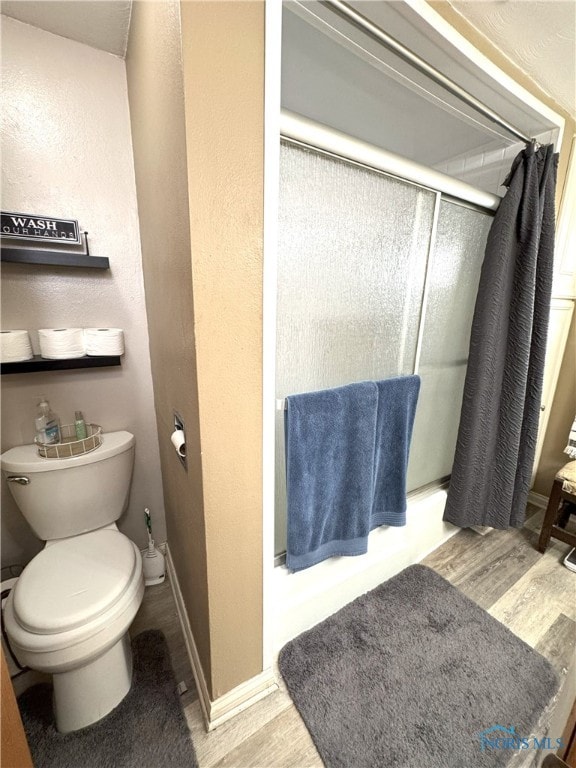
303,131
363,23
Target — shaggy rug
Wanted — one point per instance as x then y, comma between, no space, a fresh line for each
416,675
146,730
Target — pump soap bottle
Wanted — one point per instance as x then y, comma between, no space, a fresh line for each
47,424
80,426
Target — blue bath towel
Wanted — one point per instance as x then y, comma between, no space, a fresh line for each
346,460
330,437
397,399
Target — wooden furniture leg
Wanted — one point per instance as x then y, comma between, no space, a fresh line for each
553,761
550,516
566,510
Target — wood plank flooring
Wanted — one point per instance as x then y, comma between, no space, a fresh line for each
533,594
158,611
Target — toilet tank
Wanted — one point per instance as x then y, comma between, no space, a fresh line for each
65,497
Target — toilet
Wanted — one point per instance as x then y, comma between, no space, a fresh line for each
69,612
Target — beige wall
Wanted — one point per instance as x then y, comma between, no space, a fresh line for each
563,406
223,52
197,126
560,420
155,88
67,152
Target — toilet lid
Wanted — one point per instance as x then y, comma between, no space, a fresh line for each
74,581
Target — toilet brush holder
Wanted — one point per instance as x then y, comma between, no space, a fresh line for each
153,565
152,558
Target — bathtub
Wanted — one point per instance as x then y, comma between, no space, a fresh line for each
304,598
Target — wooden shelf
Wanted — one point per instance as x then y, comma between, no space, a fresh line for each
40,364
53,258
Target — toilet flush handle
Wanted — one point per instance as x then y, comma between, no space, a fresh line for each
19,479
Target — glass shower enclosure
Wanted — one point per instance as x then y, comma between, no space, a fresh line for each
377,277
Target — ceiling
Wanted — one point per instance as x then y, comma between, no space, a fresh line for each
536,35
101,24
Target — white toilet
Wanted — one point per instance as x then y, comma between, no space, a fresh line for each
70,610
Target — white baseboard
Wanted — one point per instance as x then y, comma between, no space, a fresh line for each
241,697
538,500
217,711
193,655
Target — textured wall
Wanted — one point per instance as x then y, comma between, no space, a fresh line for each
67,152
154,71
223,52
561,416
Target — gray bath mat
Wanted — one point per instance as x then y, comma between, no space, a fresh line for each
146,730
410,675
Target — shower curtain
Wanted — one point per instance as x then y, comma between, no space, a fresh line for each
501,403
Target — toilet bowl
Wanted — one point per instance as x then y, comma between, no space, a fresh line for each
69,615
70,610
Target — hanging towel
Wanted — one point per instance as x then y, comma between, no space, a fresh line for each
397,399
346,460
330,438
571,447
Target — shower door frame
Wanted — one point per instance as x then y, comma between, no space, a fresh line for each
307,134
299,129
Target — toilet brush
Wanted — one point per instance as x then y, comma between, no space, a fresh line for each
152,558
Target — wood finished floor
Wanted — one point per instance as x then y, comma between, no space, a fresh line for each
533,594
158,611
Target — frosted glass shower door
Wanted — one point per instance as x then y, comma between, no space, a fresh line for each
353,247
453,277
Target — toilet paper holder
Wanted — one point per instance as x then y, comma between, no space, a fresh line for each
178,439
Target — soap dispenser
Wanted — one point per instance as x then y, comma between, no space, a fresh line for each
80,426
47,424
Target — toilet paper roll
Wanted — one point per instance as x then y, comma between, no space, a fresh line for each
15,346
104,341
61,343
178,440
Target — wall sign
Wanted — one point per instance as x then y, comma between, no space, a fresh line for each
28,226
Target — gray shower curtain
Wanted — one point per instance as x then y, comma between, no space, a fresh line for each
500,409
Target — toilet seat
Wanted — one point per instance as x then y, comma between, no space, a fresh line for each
73,582
58,651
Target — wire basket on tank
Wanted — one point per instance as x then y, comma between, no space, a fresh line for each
69,444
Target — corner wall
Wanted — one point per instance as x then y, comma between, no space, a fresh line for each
155,90
196,90
67,152
561,417
223,57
